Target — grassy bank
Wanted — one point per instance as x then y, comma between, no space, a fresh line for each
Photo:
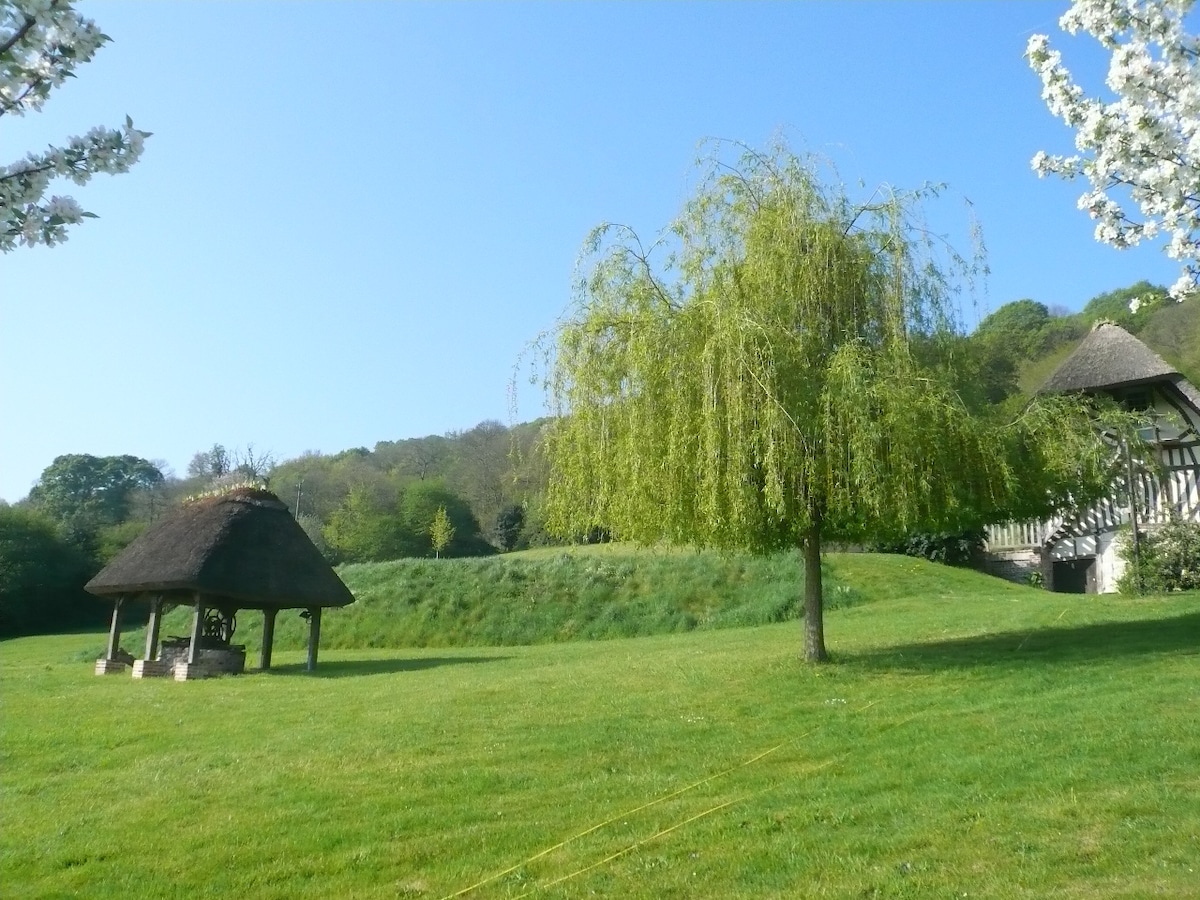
1014,744
591,593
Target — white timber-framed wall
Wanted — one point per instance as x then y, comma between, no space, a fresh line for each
1085,551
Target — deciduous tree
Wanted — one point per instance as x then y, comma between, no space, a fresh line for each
89,492
419,509
210,464
760,389
482,468
363,531
1018,325
1117,306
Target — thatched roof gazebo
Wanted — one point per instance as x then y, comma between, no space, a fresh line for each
219,554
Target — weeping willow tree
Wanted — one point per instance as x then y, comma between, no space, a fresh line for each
778,381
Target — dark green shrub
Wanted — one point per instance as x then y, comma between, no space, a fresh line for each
952,548
42,576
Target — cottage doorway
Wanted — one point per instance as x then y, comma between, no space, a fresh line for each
1075,576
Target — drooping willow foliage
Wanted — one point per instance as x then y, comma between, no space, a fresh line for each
778,381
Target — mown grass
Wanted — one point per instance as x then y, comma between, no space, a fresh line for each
965,742
584,593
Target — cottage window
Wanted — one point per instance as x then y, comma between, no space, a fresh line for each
1137,400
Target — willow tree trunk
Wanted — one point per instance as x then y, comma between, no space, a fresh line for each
814,613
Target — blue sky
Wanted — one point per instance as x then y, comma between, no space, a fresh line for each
352,217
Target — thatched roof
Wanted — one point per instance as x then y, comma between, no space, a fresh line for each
1109,357
243,545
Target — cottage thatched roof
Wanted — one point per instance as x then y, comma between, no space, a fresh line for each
1109,357
243,545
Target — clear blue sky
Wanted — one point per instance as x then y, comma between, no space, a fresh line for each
352,217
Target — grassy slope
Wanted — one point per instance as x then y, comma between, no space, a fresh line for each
967,741
595,592
1174,333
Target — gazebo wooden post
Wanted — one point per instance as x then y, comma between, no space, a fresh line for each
110,664
268,637
314,635
114,630
192,669
152,628
150,666
197,624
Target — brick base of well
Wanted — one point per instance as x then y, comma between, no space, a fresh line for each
151,668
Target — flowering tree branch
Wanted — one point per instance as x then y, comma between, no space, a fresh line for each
41,44
1143,146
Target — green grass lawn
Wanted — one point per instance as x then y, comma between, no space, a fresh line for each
971,739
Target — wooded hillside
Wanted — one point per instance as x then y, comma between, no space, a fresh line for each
1033,338
367,505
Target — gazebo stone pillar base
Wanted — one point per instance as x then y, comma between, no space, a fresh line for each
185,671
110,666
151,668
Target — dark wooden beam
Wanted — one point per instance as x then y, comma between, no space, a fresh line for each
114,630
268,637
197,627
152,627
314,636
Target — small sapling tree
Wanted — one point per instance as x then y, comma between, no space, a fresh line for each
441,532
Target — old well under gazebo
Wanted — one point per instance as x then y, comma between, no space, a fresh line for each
219,555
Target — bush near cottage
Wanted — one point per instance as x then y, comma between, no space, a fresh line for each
957,548
1168,560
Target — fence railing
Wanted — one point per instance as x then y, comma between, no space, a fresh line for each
1158,501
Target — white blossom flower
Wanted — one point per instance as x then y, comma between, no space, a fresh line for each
44,41
1144,146
64,208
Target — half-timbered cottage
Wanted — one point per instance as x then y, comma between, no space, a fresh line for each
1080,552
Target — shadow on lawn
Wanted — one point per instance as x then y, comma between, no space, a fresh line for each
1044,646
346,668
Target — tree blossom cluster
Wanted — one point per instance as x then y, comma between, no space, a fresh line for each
41,44
1140,152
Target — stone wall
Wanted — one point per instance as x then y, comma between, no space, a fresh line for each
1012,565
229,660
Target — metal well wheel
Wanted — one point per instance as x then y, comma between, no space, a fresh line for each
220,624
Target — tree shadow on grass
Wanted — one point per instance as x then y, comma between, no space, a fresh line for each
346,668
1050,645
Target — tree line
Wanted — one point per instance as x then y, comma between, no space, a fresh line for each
364,505
466,493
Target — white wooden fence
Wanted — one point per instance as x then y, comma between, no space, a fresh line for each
1158,501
